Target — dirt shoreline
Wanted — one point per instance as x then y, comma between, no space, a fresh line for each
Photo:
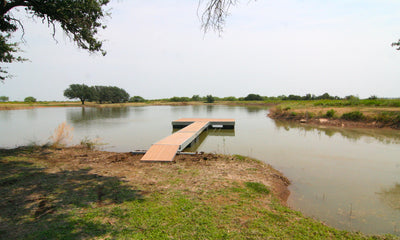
211,170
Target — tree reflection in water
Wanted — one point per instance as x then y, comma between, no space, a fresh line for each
88,114
391,196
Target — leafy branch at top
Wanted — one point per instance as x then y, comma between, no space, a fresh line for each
79,19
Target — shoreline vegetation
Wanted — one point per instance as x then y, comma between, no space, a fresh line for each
56,192
352,112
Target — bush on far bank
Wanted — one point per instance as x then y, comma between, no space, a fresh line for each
137,99
30,99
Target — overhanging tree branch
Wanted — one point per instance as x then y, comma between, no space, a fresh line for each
215,13
79,19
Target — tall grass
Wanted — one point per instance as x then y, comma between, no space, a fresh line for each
62,135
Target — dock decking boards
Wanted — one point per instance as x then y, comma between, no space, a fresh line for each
161,153
166,149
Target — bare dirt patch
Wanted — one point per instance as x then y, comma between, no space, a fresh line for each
190,173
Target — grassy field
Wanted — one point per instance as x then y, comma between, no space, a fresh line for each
78,193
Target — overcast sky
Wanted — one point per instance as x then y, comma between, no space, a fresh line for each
156,49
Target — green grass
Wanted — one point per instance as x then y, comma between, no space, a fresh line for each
258,187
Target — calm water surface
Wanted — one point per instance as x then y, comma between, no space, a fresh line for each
347,178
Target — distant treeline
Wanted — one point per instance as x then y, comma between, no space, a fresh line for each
257,97
100,94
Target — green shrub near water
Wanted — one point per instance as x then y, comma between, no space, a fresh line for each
179,99
330,113
353,116
210,99
230,98
388,117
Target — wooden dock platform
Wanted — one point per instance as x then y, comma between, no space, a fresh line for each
166,149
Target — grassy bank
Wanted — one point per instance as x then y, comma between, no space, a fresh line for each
362,113
77,193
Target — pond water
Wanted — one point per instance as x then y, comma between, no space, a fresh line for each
348,178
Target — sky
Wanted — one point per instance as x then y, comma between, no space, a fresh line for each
157,49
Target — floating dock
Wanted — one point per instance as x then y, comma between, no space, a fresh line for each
166,149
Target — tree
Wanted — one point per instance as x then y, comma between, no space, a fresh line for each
3,99
325,96
80,91
99,94
30,99
210,99
80,20
196,98
117,95
137,99
111,94
215,13
253,97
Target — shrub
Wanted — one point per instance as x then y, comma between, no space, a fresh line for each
179,99
210,99
388,117
309,114
62,135
90,143
353,116
373,97
196,98
30,99
253,97
3,99
330,113
137,99
231,98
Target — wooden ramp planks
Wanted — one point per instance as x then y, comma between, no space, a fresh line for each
166,149
162,153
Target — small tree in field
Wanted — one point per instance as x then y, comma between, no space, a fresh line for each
253,97
196,98
137,99
80,91
3,99
30,99
210,99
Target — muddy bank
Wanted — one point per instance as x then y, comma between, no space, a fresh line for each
211,171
